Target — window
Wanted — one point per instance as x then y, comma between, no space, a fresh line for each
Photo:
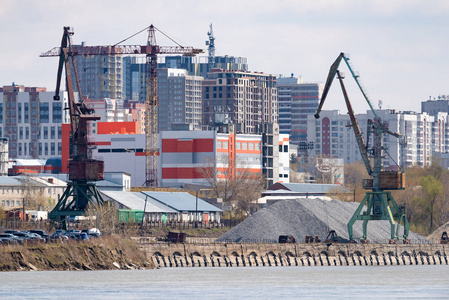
52,132
44,112
244,146
26,112
19,111
57,112
257,146
237,145
45,132
251,146
225,145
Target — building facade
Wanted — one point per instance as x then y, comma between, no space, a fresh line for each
179,99
100,76
134,70
422,134
31,121
297,100
246,99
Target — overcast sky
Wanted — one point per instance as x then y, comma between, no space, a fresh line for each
399,47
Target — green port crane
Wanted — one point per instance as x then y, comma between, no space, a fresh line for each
380,204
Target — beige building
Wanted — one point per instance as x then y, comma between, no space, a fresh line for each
17,191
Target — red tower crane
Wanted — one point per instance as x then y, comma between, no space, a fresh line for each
151,50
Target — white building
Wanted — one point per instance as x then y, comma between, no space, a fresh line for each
423,135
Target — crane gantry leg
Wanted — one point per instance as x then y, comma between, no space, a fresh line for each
380,206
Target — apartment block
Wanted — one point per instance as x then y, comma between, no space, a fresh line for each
246,99
423,135
297,100
31,121
179,99
100,76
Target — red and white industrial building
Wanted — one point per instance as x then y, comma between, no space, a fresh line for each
183,153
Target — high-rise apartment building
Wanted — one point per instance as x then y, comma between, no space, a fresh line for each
297,100
199,65
134,78
423,135
247,99
433,107
134,70
100,76
179,99
31,120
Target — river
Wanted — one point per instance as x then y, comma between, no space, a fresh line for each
362,282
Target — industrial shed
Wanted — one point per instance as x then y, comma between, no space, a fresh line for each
165,206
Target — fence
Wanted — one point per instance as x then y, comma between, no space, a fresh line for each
49,226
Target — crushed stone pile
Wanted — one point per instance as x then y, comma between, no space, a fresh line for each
436,235
308,216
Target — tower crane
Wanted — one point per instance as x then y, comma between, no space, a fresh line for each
380,204
151,50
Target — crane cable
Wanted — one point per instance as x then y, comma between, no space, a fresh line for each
146,29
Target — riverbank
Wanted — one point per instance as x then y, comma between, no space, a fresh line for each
310,254
105,253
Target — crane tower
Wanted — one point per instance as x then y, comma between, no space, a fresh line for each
151,50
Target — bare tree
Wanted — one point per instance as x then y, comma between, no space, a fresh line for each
234,182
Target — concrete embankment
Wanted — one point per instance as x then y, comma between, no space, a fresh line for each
108,253
250,255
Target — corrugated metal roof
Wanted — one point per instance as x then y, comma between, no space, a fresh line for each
312,188
137,201
181,201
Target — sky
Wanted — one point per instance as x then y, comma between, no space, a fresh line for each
399,48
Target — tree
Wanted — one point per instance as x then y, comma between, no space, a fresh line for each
432,191
34,194
354,174
234,182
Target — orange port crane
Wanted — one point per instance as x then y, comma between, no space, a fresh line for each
151,50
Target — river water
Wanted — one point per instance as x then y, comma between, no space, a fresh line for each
362,282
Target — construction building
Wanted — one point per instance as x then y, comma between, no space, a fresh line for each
423,136
246,99
297,100
100,76
179,99
31,121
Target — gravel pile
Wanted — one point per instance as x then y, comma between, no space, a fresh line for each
307,216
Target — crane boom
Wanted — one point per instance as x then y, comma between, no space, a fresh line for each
123,50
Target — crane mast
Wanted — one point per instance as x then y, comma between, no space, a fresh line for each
380,202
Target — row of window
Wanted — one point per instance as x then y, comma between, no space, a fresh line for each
11,203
